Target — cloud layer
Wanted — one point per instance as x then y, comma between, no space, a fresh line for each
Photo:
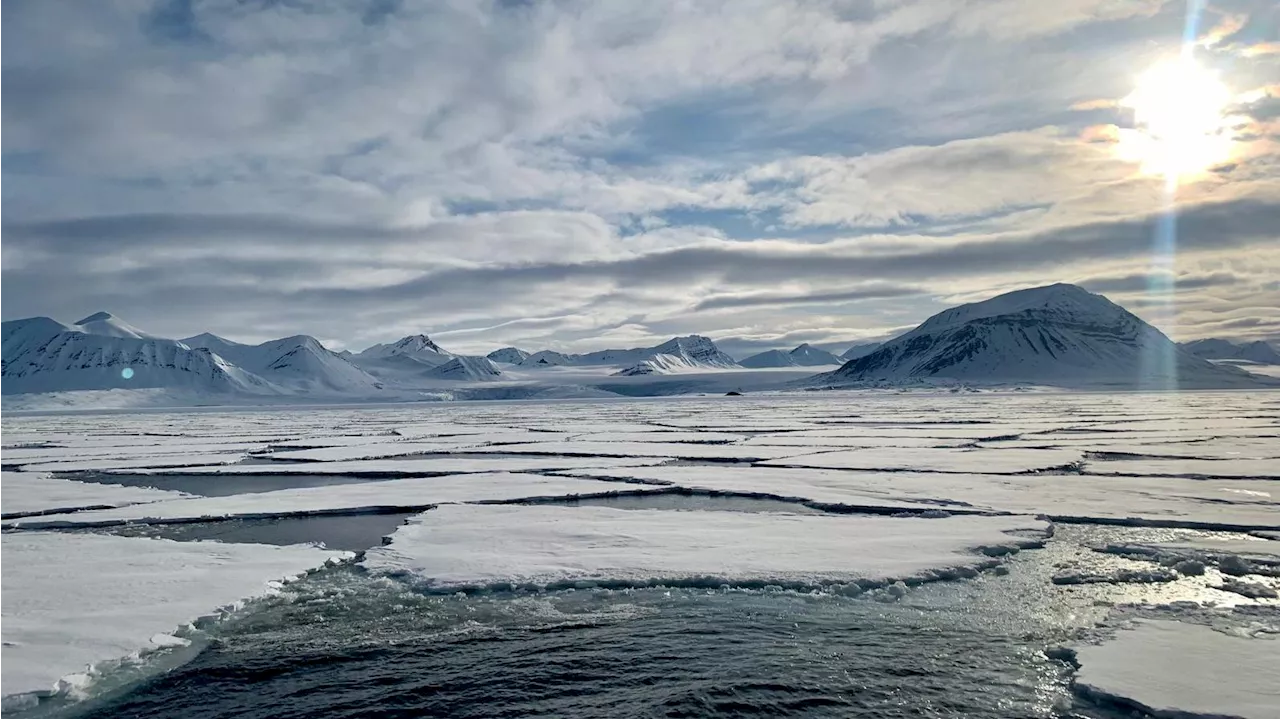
575,175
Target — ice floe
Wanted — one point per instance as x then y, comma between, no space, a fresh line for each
991,461
1178,670
470,546
74,601
389,495
26,493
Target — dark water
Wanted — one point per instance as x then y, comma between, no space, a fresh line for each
342,643
361,648
354,533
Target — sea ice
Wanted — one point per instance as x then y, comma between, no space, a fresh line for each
990,461
1172,669
72,601
473,546
28,493
678,450
404,494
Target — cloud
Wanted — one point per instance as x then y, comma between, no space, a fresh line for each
1228,26
759,299
564,173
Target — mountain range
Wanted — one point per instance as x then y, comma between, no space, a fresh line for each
1220,349
1057,335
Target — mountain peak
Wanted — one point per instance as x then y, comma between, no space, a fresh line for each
1057,334
97,317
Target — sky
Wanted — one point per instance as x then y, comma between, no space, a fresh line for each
582,175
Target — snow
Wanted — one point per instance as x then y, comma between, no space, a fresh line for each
466,368
103,464
860,350
1249,468
936,459
405,494
1117,499
1220,349
27,493
72,601
769,358
508,355
416,347
678,450
454,547
1056,335
107,325
411,467
1173,669
41,355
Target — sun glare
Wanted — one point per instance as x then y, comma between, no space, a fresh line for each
1180,127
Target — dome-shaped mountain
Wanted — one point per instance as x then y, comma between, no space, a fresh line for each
508,355
1059,334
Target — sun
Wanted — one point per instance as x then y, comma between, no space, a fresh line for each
1180,126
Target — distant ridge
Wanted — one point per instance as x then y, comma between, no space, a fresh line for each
1058,335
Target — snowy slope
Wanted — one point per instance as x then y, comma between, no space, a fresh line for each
43,355
548,358
417,347
107,325
466,368
769,358
1059,334
508,355
1219,349
299,363
806,355
862,350
677,353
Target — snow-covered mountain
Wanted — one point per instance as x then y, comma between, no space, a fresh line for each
466,368
768,358
676,354
806,355
44,355
298,363
1220,349
105,324
548,358
1059,334
415,347
861,350
508,355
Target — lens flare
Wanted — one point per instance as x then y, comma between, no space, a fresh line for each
127,373
1181,127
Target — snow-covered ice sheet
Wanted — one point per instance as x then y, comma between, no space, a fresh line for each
167,461
1173,669
28,493
678,450
1244,503
798,439
75,600
991,461
379,450
397,493
1268,468
440,464
666,436
465,546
